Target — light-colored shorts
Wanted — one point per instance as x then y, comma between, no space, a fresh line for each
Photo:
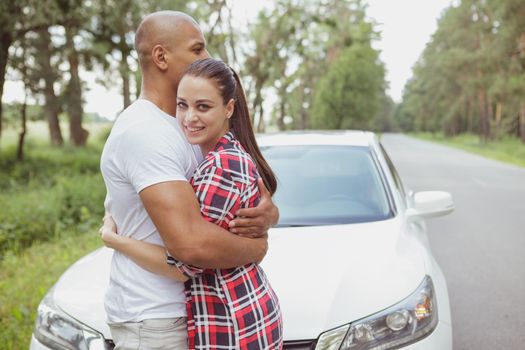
157,333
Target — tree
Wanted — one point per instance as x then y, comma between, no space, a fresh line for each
112,33
350,93
16,19
74,13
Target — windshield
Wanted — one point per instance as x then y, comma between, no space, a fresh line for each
327,185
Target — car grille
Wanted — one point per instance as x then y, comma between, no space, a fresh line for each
288,345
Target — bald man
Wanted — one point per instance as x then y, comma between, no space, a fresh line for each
146,164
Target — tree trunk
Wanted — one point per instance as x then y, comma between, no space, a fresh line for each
301,125
258,108
6,39
51,112
255,105
78,134
124,73
484,124
125,89
51,107
22,135
138,83
282,110
469,114
490,115
522,122
261,125
499,112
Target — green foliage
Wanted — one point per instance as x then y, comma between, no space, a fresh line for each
51,191
471,75
44,164
296,45
25,278
349,96
12,112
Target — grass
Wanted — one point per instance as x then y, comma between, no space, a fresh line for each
509,150
39,131
51,204
25,278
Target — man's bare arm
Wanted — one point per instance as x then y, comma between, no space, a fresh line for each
255,222
191,239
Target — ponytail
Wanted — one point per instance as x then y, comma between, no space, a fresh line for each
241,124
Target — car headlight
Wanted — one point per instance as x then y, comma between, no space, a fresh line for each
406,322
57,330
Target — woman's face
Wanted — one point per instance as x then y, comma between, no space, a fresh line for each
201,111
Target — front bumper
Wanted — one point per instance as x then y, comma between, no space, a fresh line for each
439,339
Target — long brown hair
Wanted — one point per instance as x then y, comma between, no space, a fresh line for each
230,87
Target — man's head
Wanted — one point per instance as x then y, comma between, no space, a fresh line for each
167,42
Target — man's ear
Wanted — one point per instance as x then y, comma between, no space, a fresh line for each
230,108
158,56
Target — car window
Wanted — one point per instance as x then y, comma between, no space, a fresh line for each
322,185
395,175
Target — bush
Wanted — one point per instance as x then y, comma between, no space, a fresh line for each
43,163
51,190
74,202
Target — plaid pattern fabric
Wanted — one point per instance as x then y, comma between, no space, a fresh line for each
229,308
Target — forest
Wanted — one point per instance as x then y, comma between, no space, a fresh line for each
305,64
471,76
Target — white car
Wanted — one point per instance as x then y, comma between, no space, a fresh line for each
349,260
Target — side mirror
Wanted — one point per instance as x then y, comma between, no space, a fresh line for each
431,204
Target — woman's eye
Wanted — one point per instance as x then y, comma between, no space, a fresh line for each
181,105
203,107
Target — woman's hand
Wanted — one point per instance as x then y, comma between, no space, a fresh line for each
108,232
149,256
255,222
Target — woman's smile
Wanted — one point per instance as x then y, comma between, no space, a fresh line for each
193,129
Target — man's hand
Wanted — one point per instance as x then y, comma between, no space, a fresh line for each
255,222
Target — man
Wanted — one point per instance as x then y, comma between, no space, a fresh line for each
146,163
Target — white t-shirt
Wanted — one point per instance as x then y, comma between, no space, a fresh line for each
146,146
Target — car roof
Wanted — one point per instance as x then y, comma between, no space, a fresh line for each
317,137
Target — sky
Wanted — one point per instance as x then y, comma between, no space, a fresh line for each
405,25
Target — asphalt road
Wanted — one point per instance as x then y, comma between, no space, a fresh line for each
481,245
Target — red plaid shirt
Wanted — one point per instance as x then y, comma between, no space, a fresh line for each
229,308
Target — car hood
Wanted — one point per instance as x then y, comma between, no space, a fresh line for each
327,276
81,289
324,276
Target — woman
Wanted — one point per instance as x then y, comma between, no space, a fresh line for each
227,308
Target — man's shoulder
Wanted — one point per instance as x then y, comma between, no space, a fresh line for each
141,115
141,123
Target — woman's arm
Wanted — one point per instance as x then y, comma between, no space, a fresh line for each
149,256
